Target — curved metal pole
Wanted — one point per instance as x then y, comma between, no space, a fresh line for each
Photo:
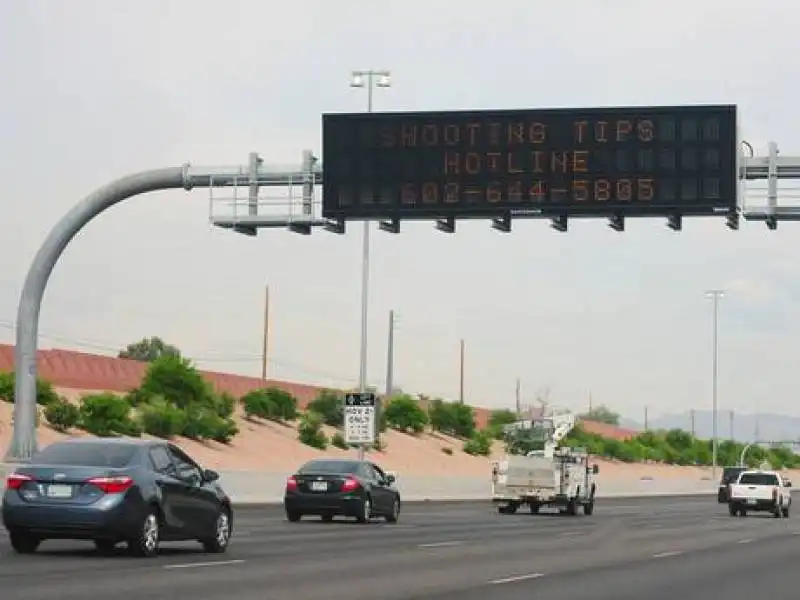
23,444
744,453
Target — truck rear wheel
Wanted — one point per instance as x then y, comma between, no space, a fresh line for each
534,508
785,512
588,508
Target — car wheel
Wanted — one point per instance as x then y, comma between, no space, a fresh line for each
293,516
105,546
395,514
23,543
732,510
785,512
218,543
365,512
588,508
145,543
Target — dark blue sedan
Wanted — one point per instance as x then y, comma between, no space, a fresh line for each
115,490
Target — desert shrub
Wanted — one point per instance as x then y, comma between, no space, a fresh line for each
479,444
160,418
330,407
452,418
310,431
62,415
405,414
107,415
338,441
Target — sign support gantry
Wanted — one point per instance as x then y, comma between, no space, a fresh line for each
292,201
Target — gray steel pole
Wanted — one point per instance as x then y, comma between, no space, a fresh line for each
23,443
390,358
714,295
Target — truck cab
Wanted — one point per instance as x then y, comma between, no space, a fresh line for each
760,491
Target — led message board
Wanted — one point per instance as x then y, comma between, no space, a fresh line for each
575,162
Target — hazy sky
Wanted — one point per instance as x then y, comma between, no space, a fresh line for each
93,90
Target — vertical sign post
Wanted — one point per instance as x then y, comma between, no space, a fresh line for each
360,419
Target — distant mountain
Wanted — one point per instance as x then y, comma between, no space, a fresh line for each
768,427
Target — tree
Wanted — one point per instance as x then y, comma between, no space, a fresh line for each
452,418
602,414
177,381
148,350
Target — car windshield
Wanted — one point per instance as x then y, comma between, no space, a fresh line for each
758,479
94,454
329,466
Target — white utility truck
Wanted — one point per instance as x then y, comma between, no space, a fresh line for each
762,491
550,476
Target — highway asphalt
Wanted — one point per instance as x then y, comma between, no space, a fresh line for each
655,548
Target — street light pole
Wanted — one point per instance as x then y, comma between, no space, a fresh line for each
714,296
369,79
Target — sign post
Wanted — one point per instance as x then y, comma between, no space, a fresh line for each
360,420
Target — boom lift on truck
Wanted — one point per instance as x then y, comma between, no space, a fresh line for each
536,472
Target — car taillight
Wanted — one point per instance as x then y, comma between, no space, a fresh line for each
350,484
291,483
16,480
111,485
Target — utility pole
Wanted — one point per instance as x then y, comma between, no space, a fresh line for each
265,344
518,398
731,426
590,402
714,296
461,375
390,358
693,423
645,419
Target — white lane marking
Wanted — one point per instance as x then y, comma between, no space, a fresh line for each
441,544
516,578
667,554
747,541
199,565
568,533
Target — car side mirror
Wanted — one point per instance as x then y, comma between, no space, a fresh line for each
210,475
595,469
787,483
391,478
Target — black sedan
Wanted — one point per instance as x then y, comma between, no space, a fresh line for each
352,488
115,490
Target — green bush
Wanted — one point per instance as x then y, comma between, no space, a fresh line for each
224,405
452,418
62,415
203,423
405,414
329,406
107,415
337,440
45,393
310,431
479,444
271,403
160,418
178,382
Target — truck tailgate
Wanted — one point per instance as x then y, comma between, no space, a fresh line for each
759,492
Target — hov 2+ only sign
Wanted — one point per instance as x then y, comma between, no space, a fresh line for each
360,418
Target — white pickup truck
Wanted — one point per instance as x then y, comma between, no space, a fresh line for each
763,491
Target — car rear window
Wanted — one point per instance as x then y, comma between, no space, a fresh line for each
729,475
329,466
114,456
758,479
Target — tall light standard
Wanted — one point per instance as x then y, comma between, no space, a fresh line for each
714,296
371,80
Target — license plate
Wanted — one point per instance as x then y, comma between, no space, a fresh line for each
319,486
59,491
752,501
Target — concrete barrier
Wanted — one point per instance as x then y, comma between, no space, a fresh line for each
258,487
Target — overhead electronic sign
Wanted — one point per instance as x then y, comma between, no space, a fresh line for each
575,162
